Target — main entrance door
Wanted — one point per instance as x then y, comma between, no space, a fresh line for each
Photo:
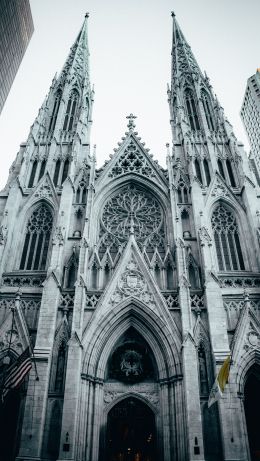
131,432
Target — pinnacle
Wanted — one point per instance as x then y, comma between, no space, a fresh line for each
131,124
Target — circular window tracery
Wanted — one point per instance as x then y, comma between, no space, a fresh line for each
133,210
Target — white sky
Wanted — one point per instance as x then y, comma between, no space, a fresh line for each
130,46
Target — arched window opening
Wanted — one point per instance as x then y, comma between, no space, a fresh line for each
60,370
227,241
191,110
207,172
192,276
157,274
36,244
71,111
65,170
230,173
57,172
72,275
198,170
207,110
183,192
94,277
81,193
203,375
42,169
55,111
169,277
221,169
185,219
106,275
33,173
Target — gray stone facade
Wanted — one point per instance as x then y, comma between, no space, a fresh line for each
135,281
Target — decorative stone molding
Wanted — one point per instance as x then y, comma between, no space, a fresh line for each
58,237
220,190
19,279
239,282
44,191
66,300
172,300
116,390
3,235
92,300
252,340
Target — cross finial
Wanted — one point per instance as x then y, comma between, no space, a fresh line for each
131,123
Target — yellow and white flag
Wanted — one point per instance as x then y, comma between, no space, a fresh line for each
219,385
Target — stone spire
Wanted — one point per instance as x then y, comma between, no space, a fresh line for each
183,60
77,62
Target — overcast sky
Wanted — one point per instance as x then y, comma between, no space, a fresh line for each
130,46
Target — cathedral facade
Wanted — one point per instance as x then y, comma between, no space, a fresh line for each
132,282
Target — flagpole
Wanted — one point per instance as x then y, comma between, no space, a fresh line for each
17,306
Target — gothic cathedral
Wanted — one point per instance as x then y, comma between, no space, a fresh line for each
132,282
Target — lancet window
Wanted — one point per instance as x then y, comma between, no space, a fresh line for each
71,111
81,193
198,170
61,171
230,173
221,169
192,110
33,173
55,110
37,239
207,110
206,171
203,375
183,192
227,240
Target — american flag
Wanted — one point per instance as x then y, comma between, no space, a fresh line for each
16,373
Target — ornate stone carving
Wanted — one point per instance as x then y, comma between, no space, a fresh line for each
44,191
204,236
29,280
172,300
66,300
3,235
132,283
131,364
92,300
219,190
132,160
132,210
239,282
252,339
58,237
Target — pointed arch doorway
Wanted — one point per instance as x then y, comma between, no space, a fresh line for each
131,432
252,411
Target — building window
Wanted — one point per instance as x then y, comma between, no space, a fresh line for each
42,169
221,169
71,111
227,240
37,239
198,170
55,110
81,193
191,110
33,173
207,172
207,110
61,172
183,192
230,173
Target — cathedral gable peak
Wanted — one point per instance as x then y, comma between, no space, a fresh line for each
247,334
133,283
219,189
131,157
45,190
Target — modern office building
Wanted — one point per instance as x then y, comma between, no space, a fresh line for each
250,114
16,28
136,282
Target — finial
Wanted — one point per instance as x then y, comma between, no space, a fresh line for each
131,124
87,15
172,14
246,299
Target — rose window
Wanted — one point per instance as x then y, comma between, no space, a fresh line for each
132,210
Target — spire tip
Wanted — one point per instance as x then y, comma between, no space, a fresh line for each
87,15
172,14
